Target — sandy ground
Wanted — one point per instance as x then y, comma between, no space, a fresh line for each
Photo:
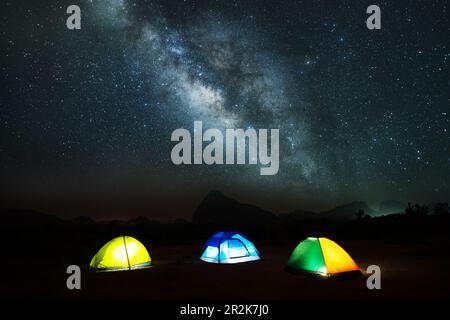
408,272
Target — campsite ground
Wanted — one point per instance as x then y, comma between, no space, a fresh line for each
408,272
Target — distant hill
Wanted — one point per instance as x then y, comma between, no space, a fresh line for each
217,208
347,211
18,217
83,220
391,206
143,221
342,212
298,215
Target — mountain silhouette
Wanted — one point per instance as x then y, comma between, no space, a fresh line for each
298,215
84,220
347,211
391,206
343,212
18,217
217,208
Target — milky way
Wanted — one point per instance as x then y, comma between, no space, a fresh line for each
87,114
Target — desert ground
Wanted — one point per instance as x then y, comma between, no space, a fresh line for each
409,271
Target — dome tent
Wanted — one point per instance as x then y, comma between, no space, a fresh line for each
121,253
229,247
321,256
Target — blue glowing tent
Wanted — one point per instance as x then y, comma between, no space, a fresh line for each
229,247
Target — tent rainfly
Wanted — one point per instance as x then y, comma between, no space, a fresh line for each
121,253
321,256
229,247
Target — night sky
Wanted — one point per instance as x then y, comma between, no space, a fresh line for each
87,115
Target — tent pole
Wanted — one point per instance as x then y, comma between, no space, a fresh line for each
126,251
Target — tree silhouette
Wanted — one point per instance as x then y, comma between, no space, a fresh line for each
360,214
416,210
409,210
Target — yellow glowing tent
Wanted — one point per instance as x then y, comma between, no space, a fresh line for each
122,253
322,256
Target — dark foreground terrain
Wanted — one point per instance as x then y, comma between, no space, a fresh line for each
411,248
408,272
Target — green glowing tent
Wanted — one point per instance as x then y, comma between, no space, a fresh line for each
321,256
121,253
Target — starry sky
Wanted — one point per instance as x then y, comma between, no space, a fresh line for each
86,115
